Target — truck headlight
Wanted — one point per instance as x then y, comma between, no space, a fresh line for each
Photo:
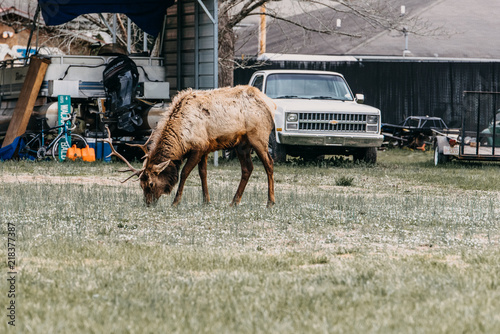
291,117
372,119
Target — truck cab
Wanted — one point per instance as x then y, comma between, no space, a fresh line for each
319,115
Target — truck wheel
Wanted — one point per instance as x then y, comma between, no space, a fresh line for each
276,150
368,155
439,157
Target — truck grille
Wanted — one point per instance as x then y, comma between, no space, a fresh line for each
332,122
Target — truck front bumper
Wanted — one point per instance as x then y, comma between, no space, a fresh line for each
340,140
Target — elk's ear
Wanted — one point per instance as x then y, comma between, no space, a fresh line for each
161,167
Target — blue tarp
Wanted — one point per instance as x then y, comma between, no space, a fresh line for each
8,151
147,14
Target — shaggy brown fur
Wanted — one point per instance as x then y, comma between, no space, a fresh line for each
200,122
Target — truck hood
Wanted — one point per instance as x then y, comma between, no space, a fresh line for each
305,105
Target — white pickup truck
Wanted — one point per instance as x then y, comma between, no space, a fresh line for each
319,115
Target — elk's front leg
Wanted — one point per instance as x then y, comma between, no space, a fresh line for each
192,161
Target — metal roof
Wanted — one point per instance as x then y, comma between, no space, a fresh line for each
295,71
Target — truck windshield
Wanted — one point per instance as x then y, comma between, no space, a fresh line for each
307,86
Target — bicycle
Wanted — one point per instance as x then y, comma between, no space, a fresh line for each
40,145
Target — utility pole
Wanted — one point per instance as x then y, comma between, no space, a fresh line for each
405,33
262,35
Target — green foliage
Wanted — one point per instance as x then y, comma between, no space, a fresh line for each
344,181
407,246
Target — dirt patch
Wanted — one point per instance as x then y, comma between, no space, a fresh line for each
87,180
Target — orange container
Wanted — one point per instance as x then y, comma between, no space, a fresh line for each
88,154
74,153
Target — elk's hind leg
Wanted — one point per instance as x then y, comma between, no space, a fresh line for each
202,170
243,151
264,156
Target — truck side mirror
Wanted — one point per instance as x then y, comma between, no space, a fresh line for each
360,98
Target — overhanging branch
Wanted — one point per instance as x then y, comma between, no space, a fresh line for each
311,29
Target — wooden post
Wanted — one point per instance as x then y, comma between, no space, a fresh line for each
27,98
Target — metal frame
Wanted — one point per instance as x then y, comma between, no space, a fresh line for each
191,45
214,20
494,155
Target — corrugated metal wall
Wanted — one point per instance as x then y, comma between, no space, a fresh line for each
406,88
190,45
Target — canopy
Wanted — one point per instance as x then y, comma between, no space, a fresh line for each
147,14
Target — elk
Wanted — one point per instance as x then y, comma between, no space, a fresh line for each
197,123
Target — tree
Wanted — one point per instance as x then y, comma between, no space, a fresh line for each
321,20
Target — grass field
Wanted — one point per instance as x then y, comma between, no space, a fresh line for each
400,247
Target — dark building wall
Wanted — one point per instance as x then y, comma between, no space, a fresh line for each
404,88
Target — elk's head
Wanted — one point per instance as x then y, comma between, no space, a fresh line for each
156,178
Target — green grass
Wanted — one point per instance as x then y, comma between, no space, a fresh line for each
344,181
406,247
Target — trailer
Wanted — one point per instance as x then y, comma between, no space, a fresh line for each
414,132
130,100
478,138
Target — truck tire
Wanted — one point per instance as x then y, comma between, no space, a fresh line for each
276,150
368,155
